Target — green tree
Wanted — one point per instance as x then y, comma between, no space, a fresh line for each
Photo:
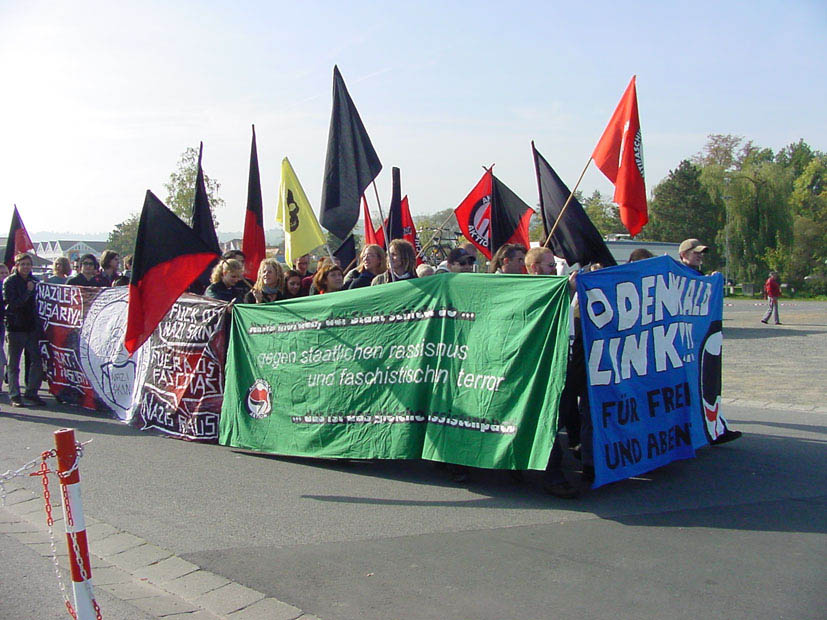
759,221
181,187
604,214
682,208
122,238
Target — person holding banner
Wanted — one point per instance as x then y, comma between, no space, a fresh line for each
510,258
225,276
692,253
88,275
540,262
328,278
292,284
401,263
269,283
371,263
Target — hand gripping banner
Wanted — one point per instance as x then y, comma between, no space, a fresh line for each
459,368
652,338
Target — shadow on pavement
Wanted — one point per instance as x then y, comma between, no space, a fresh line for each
769,331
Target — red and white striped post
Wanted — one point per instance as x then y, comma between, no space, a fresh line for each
67,466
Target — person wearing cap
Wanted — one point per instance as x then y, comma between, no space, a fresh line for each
692,255
691,252
773,292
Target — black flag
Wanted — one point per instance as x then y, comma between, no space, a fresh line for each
350,166
346,253
509,217
202,222
396,228
576,239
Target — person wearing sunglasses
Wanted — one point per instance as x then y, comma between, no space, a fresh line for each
89,275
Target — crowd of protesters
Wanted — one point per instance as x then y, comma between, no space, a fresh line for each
20,331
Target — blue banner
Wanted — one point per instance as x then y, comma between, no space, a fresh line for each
652,339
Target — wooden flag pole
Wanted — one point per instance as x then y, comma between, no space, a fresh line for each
568,200
384,228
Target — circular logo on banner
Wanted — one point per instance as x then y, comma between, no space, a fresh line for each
710,377
102,355
638,146
479,224
258,399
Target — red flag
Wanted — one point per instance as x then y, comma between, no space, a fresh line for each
619,155
370,233
18,240
252,244
474,214
409,230
168,256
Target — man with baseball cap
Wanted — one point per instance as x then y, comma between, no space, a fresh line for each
692,255
691,252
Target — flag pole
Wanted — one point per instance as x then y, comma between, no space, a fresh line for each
384,226
568,200
434,236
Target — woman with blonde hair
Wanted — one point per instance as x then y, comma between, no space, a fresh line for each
401,263
371,264
268,286
226,274
61,269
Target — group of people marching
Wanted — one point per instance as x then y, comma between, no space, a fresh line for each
275,282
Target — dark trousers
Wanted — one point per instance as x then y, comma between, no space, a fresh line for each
20,342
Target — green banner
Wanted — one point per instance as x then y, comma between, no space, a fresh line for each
459,368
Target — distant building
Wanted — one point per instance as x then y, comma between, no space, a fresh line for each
50,250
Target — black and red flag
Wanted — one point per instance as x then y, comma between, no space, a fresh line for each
18,240
576,239
399,223
169,255
252,244
350,166
619,155
493,215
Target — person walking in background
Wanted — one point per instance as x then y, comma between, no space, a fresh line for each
773,292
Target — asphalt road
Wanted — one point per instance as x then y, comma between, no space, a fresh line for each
738,532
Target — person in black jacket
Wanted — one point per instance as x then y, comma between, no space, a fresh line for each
22,330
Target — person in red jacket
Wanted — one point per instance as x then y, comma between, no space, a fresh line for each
773,292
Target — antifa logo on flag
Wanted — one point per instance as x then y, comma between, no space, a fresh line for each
638,149
479,224
258,399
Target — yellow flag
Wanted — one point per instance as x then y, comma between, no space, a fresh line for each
302,232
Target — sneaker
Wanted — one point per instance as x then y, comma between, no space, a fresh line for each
764,321
779,323
563,490
16,401
726,437
35,400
